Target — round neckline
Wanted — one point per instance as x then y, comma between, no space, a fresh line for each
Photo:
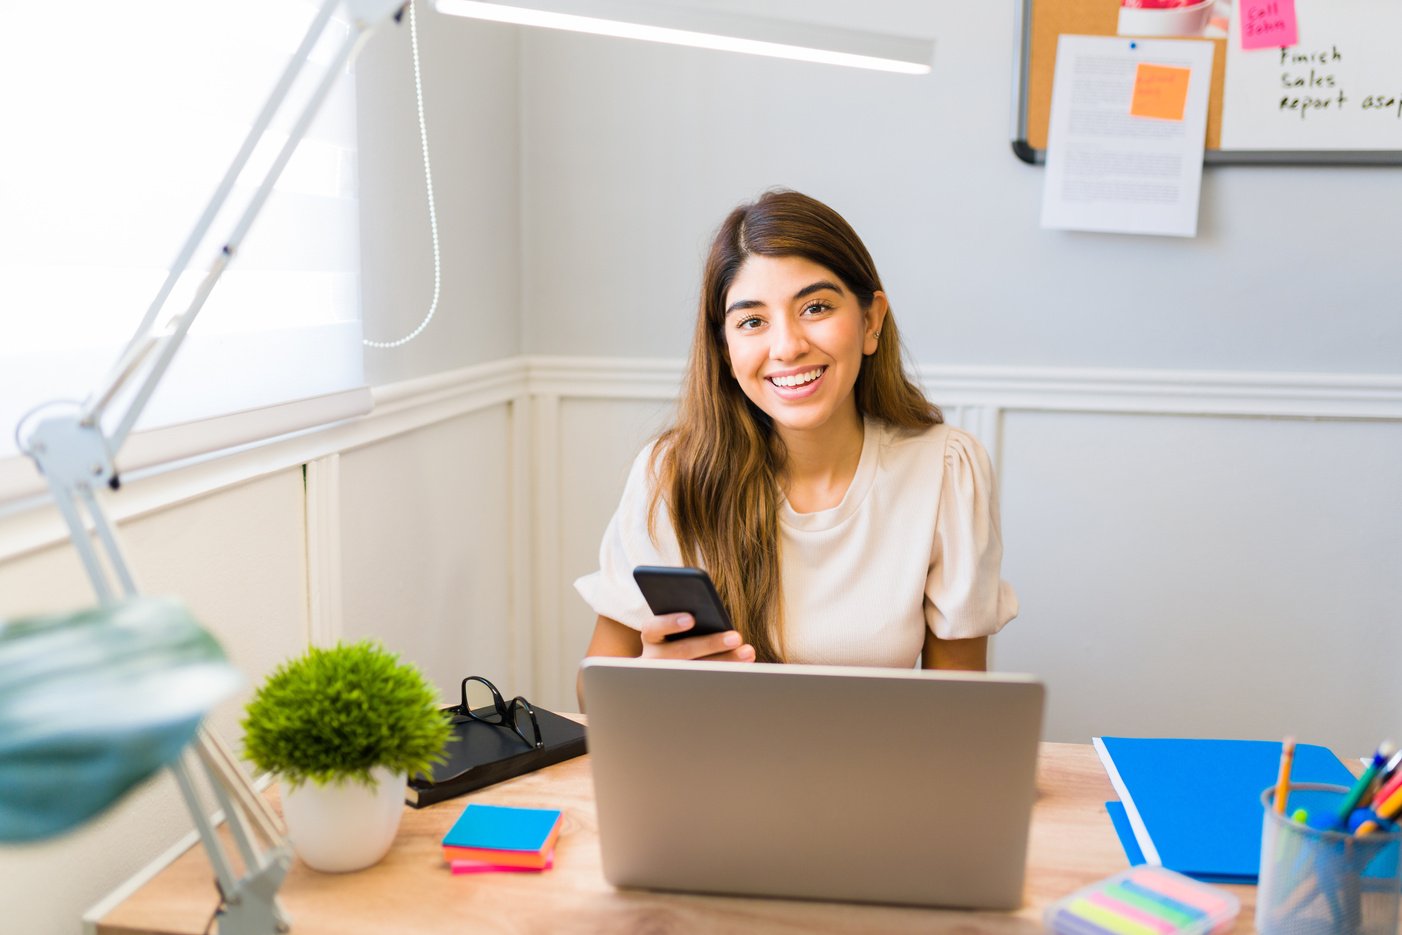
851,500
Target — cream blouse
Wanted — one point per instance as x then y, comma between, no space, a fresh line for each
915,543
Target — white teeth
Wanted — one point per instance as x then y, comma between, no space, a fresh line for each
797,379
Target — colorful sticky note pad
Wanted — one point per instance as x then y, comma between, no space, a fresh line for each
503,828
1268,24
1160,91
1143,901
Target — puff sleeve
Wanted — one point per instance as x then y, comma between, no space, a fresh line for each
611,591
965,595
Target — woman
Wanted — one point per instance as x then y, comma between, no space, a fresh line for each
841,521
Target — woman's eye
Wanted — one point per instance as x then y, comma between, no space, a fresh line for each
816,308
749,324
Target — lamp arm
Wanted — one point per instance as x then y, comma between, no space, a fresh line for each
75,456
365,16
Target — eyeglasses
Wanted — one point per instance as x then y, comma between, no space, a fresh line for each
481,701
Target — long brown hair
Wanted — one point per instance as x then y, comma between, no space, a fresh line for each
718,467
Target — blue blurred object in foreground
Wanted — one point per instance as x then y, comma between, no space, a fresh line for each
93,702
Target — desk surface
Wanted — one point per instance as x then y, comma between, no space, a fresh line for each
411,890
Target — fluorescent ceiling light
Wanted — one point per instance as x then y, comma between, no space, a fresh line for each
707,29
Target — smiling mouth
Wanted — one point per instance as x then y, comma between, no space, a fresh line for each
793,380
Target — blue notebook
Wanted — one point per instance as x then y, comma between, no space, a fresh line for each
1195,805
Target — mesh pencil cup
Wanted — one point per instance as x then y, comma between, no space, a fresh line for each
1316,882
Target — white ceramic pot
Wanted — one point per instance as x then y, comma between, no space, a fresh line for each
341,827
1188,20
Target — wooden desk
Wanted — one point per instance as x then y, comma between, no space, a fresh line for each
1072,844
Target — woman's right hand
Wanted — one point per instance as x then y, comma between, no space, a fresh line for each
722,647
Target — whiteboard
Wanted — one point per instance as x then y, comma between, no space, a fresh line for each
1339,88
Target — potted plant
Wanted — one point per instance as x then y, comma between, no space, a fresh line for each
343,729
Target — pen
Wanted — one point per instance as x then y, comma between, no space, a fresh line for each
1390,770
1360,788
1282,782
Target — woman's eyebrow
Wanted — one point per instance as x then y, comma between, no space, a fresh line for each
807,290
818,286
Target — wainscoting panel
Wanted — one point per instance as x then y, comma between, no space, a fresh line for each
1206,576
1185,545
598,440
236,557
426,531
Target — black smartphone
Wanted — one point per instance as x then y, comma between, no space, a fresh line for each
683,590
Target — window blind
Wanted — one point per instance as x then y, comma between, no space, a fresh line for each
120,120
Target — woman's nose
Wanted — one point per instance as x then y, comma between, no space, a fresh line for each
788,341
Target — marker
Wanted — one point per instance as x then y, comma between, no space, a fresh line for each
1391,806
1360,788
1282,782
1387,810
1388,788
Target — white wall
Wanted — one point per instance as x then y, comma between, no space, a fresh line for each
634,153
469,72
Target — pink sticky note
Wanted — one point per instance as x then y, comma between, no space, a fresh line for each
479,866
1268,24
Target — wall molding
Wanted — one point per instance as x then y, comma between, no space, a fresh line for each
33,523
1045,389
1170,392
974,397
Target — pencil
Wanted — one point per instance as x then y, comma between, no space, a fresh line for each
1282,782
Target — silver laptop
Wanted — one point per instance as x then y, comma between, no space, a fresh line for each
814,782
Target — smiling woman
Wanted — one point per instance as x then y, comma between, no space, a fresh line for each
796,340
841,521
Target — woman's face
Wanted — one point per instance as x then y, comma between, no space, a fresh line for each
796,335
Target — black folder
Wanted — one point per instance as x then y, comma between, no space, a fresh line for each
480,754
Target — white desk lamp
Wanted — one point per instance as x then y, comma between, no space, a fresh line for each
76,454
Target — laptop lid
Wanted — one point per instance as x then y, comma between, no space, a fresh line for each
819,782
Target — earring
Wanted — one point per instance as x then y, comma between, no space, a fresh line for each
876,334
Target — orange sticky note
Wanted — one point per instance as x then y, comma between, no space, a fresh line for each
1160,91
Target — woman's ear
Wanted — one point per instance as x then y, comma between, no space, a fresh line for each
872,320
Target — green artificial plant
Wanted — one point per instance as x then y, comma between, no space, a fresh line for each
333,715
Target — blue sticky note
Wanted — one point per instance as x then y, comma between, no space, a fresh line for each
503,827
